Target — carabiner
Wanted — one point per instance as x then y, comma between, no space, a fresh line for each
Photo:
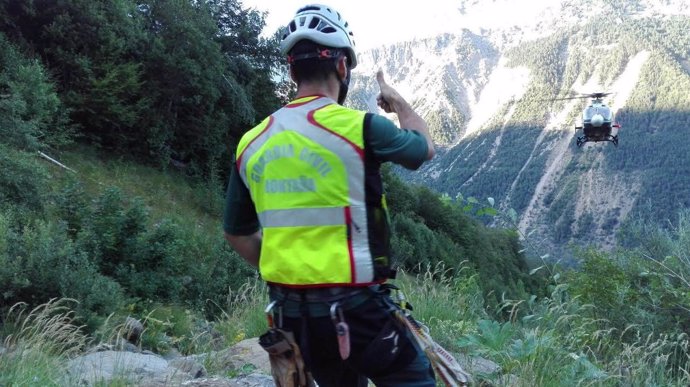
337,313
342,330
402,301
270,314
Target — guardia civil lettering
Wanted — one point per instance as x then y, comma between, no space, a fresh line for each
277,152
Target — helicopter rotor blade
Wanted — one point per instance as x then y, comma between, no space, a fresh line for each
582,96
598,95
568,98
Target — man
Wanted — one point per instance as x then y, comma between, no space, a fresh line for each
305,205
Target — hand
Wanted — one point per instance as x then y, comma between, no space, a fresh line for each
389,99
392,102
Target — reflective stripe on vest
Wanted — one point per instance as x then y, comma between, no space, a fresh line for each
330,216
343,222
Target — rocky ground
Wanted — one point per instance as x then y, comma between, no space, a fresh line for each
243,365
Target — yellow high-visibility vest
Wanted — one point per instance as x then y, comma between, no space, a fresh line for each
305,169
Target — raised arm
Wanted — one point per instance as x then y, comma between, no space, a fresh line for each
392,102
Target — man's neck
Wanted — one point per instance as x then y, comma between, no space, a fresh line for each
328,89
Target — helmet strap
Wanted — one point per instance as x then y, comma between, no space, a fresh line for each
344,86
320,53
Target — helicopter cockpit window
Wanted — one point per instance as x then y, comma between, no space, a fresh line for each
603,110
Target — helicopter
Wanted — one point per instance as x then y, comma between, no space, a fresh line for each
597,120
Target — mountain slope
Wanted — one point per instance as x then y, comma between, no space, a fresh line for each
489,101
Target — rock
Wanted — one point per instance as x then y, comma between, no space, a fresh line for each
477,365
253,380
149,370
99,367
250,352
172,353
122,344
241,355
211,382
139,368
132,330
189,366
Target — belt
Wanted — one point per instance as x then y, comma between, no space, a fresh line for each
316,301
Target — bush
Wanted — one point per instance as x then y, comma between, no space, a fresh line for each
213,274
22,181
171,260
108,251
39,262
71,205
109,226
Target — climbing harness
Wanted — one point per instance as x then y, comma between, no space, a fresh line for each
288,363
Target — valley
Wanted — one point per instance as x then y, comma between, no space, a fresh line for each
489,94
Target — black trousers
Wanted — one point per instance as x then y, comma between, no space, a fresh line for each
381,348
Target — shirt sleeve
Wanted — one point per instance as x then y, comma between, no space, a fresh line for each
240,214
389,143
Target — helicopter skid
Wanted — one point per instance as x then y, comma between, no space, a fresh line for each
581,140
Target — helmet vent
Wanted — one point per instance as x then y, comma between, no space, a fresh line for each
308,8
322,25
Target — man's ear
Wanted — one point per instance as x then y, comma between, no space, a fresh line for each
292,73
341,66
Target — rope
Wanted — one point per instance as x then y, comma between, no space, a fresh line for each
444,364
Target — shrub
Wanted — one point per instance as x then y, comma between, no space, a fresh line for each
39,262
71,205
171,260
22,181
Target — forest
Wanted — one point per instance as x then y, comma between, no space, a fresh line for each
144,103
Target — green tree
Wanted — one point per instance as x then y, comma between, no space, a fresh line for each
31,119
31,114
160,79
92,49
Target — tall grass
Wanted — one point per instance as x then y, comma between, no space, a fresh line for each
448,305
39,342
556,342
548,342
244,315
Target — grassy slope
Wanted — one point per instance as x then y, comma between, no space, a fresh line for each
166,193
552,346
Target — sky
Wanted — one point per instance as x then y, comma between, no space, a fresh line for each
374,23
377,23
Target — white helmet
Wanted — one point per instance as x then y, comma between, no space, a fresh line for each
322,25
